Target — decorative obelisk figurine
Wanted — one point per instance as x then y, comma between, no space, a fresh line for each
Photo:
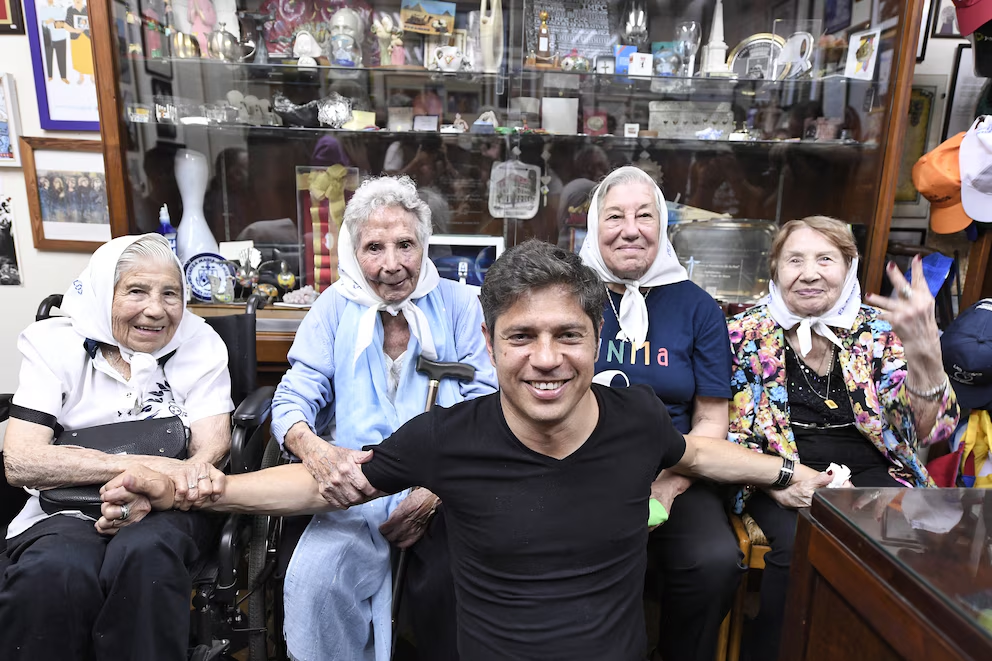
193,235
715,59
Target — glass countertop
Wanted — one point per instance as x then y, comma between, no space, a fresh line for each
943,537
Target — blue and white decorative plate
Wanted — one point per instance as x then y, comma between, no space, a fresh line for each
198,270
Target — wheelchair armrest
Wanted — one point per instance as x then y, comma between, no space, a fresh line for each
247,444
255,408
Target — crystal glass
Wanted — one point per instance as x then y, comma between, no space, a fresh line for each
687,37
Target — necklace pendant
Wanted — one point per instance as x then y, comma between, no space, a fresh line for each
831,404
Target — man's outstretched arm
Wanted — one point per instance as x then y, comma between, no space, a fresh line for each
276,491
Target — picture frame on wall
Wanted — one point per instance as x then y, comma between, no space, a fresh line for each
921,42
11,17
62,60
10,130
926,111
837,15
67,193
964,93
944,20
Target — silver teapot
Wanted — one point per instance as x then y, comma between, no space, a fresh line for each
223,45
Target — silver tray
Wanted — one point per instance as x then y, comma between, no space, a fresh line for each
727,258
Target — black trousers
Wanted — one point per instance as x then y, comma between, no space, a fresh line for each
699,565
779,526
429,594
69,593
59,49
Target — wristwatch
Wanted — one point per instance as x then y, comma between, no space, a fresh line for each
785,474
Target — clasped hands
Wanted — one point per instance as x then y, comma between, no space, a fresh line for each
187,485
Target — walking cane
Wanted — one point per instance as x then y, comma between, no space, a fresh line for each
435,371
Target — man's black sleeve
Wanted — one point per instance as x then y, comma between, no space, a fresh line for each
405,459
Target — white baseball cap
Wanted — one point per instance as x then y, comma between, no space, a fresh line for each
976,170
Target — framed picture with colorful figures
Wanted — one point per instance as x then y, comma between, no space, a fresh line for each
62,60
11,17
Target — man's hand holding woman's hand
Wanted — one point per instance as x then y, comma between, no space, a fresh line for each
130,496
799,493
338,472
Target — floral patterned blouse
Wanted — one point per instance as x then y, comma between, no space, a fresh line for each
874,370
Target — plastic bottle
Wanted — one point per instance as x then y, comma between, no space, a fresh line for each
165,227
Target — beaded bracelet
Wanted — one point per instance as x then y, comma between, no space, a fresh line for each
933,393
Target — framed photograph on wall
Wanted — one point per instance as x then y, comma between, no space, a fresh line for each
10,131
62,60
966,89
67,193
944,20
926,111
11,17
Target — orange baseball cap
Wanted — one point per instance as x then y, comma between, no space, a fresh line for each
937,175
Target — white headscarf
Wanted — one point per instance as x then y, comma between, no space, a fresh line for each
353,286
841,315
89,302
665,270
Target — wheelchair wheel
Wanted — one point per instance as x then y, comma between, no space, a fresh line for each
260,560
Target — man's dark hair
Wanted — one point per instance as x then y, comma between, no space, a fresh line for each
534,265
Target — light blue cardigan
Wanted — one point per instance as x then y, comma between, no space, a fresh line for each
337,581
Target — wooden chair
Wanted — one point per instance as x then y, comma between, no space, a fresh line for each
754,546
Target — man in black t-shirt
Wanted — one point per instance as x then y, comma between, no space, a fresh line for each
545,483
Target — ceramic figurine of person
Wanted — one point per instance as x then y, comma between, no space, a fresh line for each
389,34
306,49
460,123
202,18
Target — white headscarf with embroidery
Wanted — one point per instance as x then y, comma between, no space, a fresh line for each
89,304
665,270
353,285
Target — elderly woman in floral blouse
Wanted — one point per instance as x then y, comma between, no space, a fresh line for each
820,378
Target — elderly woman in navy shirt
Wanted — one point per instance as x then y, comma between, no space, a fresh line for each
662,330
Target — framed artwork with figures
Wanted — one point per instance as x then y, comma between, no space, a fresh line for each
62,60
944,20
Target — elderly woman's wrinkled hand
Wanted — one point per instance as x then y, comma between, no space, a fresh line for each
800,491
195,483
129,497
408,522
338,472
911,310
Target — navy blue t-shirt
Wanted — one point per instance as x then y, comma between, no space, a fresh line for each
687,352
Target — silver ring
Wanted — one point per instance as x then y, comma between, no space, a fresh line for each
192,486
202,477
906,292
125,512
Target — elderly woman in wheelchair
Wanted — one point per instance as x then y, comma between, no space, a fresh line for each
126,350
353,381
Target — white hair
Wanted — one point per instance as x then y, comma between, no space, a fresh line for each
148,248
379,192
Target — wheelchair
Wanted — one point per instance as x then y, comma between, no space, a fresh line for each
218,625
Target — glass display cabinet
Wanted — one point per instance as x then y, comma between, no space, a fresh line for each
748,114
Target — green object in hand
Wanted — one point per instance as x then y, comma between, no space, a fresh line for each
657,514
